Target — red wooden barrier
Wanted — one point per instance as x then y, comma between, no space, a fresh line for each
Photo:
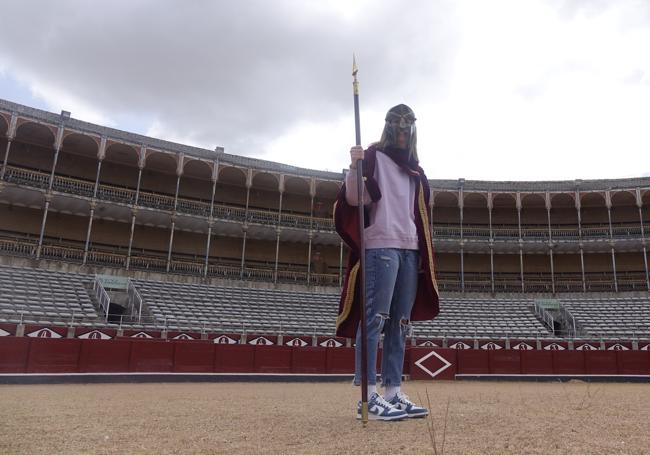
272,359
148,356
53,356
568,362
193,357
13,354
633,362
536,362
104,356
309,360
234,358
340,360
473,362
505,361
600,362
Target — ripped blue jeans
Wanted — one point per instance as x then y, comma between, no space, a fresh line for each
391,286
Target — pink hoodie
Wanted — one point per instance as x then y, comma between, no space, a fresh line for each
392,222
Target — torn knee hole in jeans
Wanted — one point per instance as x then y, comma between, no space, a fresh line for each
406,328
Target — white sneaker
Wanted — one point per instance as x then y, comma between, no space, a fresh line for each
380,409
401,401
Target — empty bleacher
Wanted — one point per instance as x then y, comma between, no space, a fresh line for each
35,295
611,317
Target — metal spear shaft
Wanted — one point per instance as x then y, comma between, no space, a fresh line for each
362,253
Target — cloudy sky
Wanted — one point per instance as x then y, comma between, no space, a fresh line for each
503,89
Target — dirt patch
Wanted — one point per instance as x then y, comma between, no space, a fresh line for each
313,418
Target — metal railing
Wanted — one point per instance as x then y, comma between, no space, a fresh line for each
165,202
134,300
102,296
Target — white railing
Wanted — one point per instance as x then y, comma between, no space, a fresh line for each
135,300
102,296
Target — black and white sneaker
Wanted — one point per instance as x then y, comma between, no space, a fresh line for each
401,401
380,409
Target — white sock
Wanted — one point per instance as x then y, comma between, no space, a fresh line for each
390,392
372,388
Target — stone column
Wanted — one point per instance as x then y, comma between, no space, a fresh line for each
278,229
547,200
310,235
582,255
57,149
608,204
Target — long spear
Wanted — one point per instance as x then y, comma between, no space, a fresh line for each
362,253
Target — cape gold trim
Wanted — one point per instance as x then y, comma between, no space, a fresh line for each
349,295
427,235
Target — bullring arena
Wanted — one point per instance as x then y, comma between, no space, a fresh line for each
161,298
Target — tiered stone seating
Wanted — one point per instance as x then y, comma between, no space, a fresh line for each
42,296
612,317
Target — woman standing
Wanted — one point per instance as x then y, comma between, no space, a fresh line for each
400,273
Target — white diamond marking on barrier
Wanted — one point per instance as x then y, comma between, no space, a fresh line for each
618,347
428,344
4,333
94,335
491,346
44,333
183,336
460,345
141,335
331,343
223,339
646,347
522,346
261,340
554,347
297,342
446,364
586,347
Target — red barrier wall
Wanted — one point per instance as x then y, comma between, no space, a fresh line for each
309,361
272,359
149,356
340,360
193,357
13,354
472,361
601,362
536,362
568,362
504,361
633,362
234,358
104,356
48,355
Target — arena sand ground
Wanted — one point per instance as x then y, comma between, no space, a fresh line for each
318,418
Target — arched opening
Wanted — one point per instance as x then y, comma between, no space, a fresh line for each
630,271
445,215
296,198
78,157
326,193
534,218
448,271
33,148
475,215
564,216
231,187
537,272
195,188
159,175
599,274
120,166
595,222
568,272
265,193
625,214
504,216
507,272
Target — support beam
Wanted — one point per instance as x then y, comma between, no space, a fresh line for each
11,133
582,268
134,212
462,269
171,243
93,204
492,267
48,198
614,269
245,225
4,162
645,264
311,236
552,270
277,253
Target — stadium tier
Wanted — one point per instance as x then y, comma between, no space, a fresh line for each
208,237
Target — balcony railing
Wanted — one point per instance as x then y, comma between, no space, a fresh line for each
39,179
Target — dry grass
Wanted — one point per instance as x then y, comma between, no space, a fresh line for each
311,418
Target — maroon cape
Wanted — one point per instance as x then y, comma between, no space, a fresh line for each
346,220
